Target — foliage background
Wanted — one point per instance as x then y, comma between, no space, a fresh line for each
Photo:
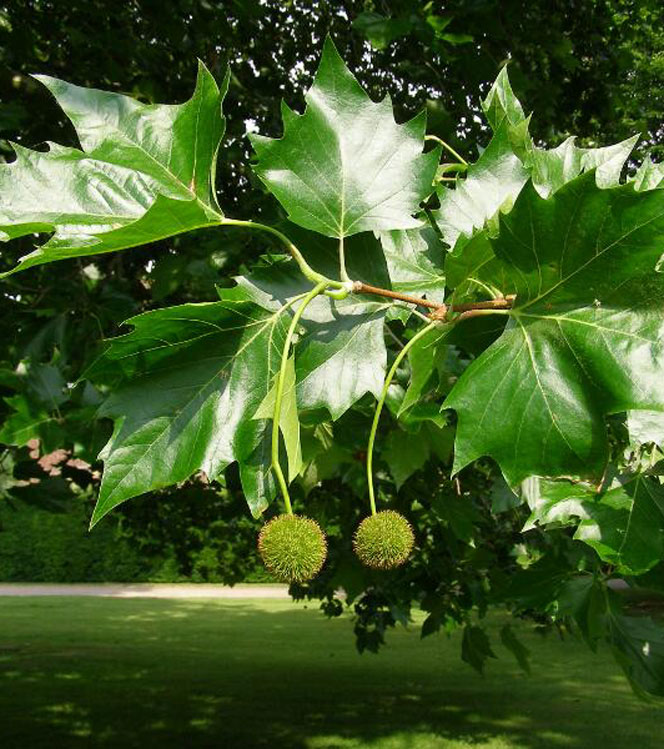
595,66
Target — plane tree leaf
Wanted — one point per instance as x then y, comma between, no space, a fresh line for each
501,105
414,259
638,646
584,338
552,168
404,455
516,647
493,182
476,647
341,352
496,179
145,172
345,166
188,382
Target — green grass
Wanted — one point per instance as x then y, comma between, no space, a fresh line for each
82,672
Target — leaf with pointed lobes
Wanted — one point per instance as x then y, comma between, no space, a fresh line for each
188,381
585,337
145,172
345,166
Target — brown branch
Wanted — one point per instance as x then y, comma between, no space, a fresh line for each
500,303
364,288
439,311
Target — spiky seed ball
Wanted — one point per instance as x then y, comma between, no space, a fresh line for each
293,547
384,540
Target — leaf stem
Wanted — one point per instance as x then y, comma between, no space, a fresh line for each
306,269
447,146
439,310
379,408
281,378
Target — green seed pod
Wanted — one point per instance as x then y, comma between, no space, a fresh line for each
293,547
384,540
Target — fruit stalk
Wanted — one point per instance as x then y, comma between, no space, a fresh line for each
379,407
276,419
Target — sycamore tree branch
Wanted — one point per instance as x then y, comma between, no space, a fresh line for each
439,310
490,304
365,288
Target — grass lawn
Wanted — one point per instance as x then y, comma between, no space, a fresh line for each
82,672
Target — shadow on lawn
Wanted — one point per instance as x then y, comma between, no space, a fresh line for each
197,674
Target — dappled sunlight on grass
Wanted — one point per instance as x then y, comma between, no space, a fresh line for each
155,673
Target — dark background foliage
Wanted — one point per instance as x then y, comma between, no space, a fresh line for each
590,66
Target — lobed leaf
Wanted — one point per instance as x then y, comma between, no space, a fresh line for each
624,523
585,337
145,172
191,379
345,166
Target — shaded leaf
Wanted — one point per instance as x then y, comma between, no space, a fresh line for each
503,499
624,524
422,357
638,646
404,455
460,514
27,421
583,598
379,30
475,647
516,647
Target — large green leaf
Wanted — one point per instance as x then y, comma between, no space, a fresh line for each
345,166
145,172
585,337
191,379
495,180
